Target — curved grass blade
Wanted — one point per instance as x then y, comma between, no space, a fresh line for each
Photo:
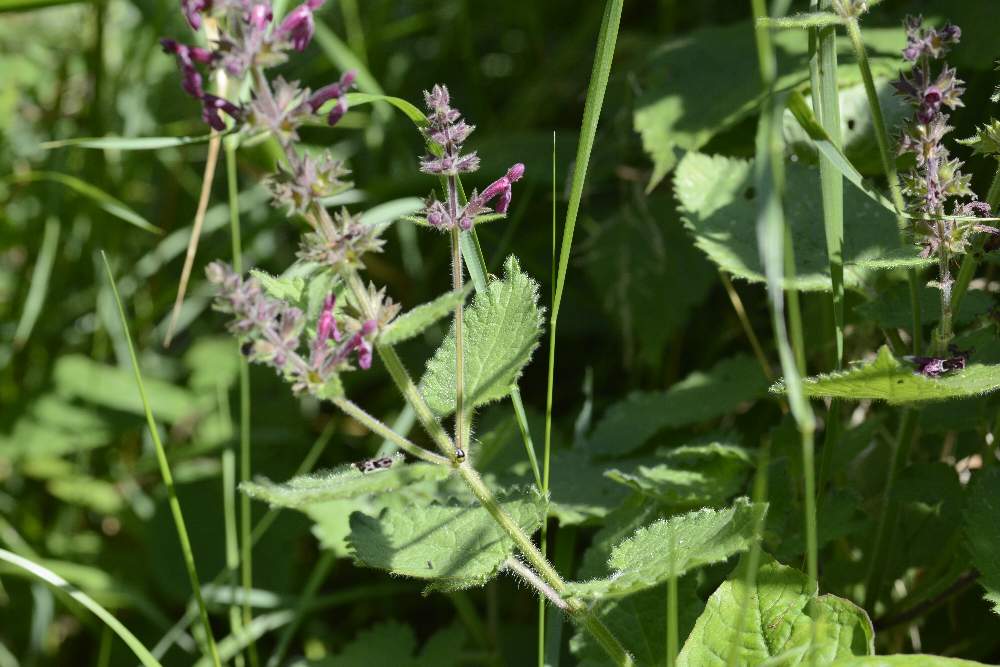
126,143
408,109
30,5
168,480
39,283
102,199
51,578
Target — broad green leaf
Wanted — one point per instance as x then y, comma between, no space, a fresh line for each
455,545
717,200
689,476
502,327
894,381
698,538
982,531
414,321
908,660
630,258
931,497
114,388
633,514
638,621
699,397
783,618
54,426
342,483
704,83
579,490
859,152
891,307
126,143
101,199
392,643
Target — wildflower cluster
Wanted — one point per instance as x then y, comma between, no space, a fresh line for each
272,331
250,42
339,241
936,176
448,131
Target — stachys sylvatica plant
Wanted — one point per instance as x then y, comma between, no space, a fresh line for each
440,519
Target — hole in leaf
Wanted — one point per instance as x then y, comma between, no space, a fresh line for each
850,123
749,193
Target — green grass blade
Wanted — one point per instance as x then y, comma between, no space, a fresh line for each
600,73
52,579
39,283
168,480
126,143
826,104
102,199
772,234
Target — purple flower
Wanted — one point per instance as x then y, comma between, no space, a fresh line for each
260,16
298,26
327,325
212,105
193,10
187,56
502,187
333,91
937,366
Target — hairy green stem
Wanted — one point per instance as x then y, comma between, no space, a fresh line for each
246,520
971,259
888,166
374,425
456,284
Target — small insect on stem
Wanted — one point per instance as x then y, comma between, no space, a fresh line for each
459,454
374,465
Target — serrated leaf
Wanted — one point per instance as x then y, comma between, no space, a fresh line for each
896,382
982,531
638,621
455,545
395,644
707,81
690,475
784,618
716,197
501,330
580,492
112,387
630,258
285,288
341,483
986,141
699,397
891,308
698,538
414,321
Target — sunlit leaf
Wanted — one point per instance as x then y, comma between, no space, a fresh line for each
895,381
785,620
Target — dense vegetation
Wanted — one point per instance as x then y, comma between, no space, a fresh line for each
619,333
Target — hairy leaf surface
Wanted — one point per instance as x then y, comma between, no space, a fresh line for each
456,545
780,622
894,381
673,547
689,476
393,643
501,331
717,201
343,482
